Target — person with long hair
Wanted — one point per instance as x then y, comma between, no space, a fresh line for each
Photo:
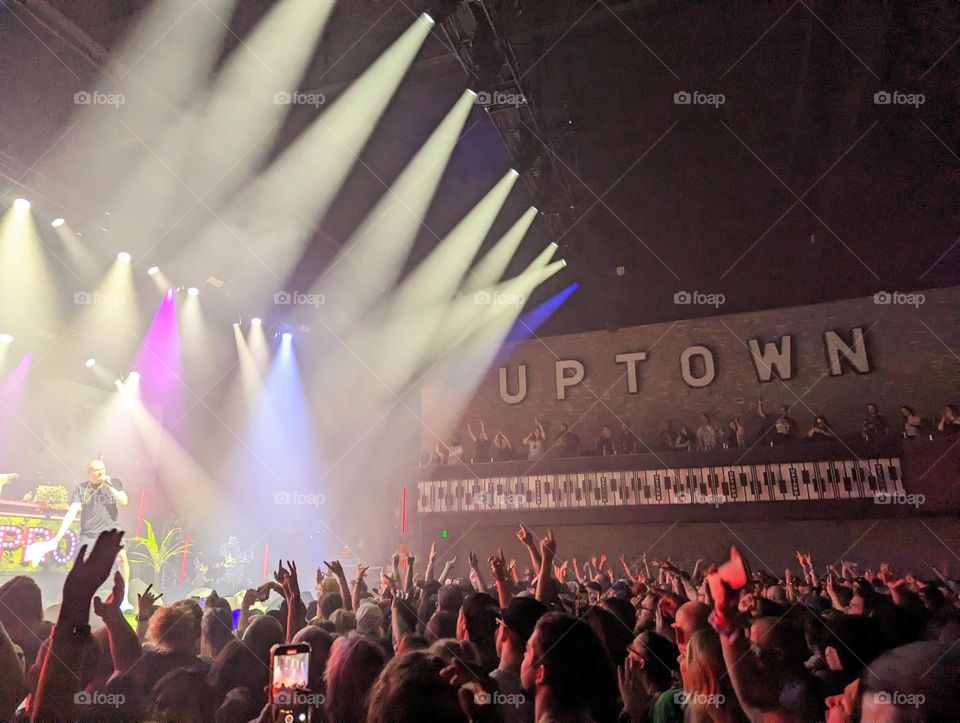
354,664
707,691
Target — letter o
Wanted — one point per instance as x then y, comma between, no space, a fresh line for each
709,368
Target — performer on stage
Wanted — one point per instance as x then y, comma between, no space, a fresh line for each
96,501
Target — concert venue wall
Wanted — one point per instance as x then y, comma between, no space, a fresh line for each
841,355
830,359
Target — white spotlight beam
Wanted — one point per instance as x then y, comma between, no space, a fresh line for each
272,221
491,267
157,68
257,83
352,280
438,276
448,387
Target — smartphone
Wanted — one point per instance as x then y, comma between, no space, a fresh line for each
290,683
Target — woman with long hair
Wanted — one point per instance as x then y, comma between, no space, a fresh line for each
354,664
707,691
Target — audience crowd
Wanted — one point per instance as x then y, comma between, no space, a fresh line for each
762,428
546,639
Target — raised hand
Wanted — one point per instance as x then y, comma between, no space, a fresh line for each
336,568
263,592
291,584
411,558
498,566
90,571
473,560
636,700
103,608
147,602
523,534
281,574
603,560
433,552
250,596
548,545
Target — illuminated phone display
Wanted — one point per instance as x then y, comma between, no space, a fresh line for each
289,682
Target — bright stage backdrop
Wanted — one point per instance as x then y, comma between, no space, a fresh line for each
58,425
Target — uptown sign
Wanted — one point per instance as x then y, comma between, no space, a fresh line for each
698,366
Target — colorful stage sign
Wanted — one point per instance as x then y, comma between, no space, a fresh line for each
17,531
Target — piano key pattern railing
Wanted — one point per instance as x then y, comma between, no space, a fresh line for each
773,482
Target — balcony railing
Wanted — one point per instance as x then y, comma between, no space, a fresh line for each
796,481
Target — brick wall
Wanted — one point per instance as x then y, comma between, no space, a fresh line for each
912,354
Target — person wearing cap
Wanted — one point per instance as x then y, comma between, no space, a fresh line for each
369,616
516,624
477,623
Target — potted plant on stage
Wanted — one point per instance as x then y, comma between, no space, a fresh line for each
155,553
